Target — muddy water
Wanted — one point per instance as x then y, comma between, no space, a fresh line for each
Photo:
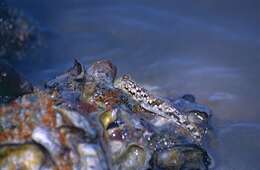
209,49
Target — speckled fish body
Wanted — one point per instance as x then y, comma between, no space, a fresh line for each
156,105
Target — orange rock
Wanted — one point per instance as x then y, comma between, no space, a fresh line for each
49,119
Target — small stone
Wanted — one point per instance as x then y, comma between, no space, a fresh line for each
48,140
182,157
103,72
12,84
90,157
108,117
133,158
189,97
25,156
68,85
77,120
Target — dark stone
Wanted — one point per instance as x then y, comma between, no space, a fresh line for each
64,81
69,84
189,97
12,84
185,157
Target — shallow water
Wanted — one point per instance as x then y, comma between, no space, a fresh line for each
209,49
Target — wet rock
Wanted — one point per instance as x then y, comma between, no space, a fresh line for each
198,130
115,138
189,97
123,136
48,139
77,120
134,157
26,156
79,149
89,91
68,85
67,79
19,118
114,131
71,136
103,72
159,141
184,157
107,118
103,128
12,84
91,157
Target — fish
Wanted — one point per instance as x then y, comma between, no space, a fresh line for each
157,105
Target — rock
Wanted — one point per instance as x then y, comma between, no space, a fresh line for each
134,157
68,86
91,157
71,136
48,139
77,120
108,117
12,84
68,78
104,128
189,97
163,140
184,157
26,156
103,72
19,118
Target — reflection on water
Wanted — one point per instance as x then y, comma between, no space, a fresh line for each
209,49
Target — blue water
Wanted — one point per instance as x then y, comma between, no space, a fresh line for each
207,48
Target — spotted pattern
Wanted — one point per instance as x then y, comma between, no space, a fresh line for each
157,105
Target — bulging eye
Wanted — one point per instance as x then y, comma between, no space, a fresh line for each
198,117
126,86
115,124
126,77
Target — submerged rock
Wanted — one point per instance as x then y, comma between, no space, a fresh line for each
77,120
91,157
48,139
68,86
108,117
12,84
19,118
135,157
185,157
81,121
189,97
26,156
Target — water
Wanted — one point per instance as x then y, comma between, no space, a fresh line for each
206,48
